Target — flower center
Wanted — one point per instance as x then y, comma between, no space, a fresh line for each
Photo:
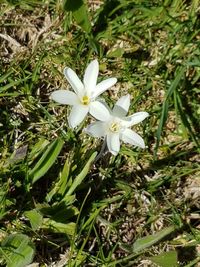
85,100
114,127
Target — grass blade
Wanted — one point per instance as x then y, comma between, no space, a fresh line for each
164,113
13,83
185,118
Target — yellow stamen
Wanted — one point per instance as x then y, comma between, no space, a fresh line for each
114,127
85,100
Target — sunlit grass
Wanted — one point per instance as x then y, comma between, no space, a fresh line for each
59,205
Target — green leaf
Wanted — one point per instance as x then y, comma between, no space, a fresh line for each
60,187
166,259
46,161
38,148
35,218
118,52
58,227
19,250
78,180
151,240
80,13
164,113
64,177
5,76
59,212
13,83
185,118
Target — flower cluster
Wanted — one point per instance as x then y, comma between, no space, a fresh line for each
113,125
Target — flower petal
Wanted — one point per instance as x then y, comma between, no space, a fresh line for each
64,97
122,106
130,137
113,143
77,115
90,76
99,111
74,81
96,129
103,86
135,118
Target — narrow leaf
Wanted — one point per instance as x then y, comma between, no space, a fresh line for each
151,240
57,227
5,76
13,83
46,161
77,181
37,149
164,113
60,187
185,118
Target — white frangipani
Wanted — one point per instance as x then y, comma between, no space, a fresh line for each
83,99
115,126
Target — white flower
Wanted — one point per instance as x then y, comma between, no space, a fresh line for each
83,100
115,126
